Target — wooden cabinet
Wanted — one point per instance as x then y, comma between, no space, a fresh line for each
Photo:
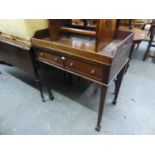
16,54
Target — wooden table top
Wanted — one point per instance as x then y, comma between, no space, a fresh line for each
82,47
139,35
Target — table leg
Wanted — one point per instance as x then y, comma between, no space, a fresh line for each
50,94
147,51
68,78
118,84
101,107
96,89
36,73
39,84
131,51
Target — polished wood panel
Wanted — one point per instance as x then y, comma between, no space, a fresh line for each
54,27
78,31
103,33
88,69
55,59
139,34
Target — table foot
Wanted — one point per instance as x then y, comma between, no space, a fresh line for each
51,97
101,107
114,102
98,128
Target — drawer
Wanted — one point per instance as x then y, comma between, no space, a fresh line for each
77,66
84,68
50,58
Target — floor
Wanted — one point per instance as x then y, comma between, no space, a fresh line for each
74,109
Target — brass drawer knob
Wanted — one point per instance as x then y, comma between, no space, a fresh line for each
92,72
71,64
63,58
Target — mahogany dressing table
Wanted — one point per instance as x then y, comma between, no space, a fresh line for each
95,52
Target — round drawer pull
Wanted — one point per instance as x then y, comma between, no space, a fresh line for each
41,54
56,59
71,64
92,72
63,58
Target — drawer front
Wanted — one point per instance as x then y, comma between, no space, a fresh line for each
50,58
77,66
85,69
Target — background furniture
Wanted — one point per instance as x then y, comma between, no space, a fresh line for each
134,23
15,44
15,53
151,42
15,41
125,22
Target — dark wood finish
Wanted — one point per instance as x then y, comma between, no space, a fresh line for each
130,23
20,55
36,74
78,56
16,54
127,22
50,94
79,67
55,59
103,33
139,34
101,107
118,82
54,27
78,31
